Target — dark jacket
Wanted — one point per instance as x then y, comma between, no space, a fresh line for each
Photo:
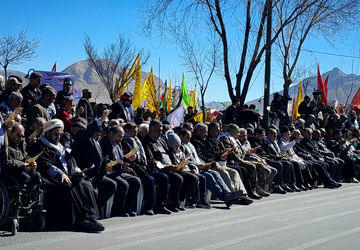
108,153
118,111
88,153
31,96
229,115
35,111
16,157
88,111
50,158
60,98
155,150
309,146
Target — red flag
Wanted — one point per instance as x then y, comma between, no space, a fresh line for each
355,103
319,78
54,68
323,87
325,92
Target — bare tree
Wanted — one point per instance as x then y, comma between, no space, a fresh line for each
324,16
202,59
16,49
113,63
224,16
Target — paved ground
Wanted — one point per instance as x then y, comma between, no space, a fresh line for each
317,219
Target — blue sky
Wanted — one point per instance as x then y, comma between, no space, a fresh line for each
60,27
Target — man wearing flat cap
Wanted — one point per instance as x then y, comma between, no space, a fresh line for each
31,92
123,108
13,83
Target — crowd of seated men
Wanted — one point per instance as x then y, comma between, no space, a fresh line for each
86,156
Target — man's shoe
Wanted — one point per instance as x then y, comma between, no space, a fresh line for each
173,208
254,196
315,185
203,204
308,186
296,188
92,225
332,185
354,180
180,208
190,205
132,214
244,200
233,195
230,202
262,192
288,189
149,212
279,190
161,210
303,188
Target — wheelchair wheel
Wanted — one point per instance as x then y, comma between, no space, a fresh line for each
4,203
14,226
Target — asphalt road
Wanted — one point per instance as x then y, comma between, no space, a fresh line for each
317,219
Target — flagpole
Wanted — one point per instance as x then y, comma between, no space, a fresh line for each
159,76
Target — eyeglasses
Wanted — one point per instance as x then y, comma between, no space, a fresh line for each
20,136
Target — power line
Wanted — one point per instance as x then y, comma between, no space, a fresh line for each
330,54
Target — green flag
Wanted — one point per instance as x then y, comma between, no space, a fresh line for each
185,93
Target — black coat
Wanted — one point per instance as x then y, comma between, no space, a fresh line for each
31,96
117,111
88,152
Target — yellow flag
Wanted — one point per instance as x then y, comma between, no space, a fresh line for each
193,99
169,98
137,91
129,74
119,87
148,93
199,117
298,101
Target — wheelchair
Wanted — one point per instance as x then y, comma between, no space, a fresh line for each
18,204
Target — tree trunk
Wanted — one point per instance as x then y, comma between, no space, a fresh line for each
287,82
5,74
286,86
203,104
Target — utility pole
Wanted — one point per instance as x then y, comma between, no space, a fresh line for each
267,64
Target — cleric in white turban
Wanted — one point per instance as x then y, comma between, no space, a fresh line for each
54,123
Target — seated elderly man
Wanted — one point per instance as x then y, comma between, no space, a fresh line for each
16,163
320,164
301,169
211,149
69,199
190,172
128,185
265,173
139,165
283,178
214,182
159,166
237,161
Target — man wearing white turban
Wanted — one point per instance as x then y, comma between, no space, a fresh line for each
69,199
